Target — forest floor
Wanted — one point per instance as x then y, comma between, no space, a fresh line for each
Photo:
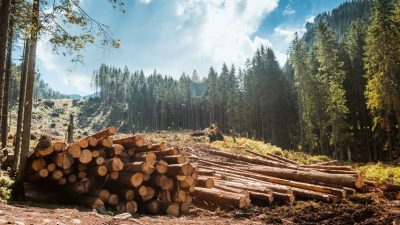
370,210
51,118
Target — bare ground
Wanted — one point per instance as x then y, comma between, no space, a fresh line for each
363,211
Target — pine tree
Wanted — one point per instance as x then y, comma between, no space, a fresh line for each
331,77
382,69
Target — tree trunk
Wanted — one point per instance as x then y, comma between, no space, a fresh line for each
4,110
29,92
4,21
21,102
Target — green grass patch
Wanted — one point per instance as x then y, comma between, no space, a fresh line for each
5,187
379,172
262,148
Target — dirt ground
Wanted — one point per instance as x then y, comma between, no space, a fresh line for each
367,211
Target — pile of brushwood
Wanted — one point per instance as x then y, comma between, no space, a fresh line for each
233,180
125,174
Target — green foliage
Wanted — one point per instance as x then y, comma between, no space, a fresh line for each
379,172
5,187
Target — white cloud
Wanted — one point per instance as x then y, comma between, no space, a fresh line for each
288,11
64,80
288,33
310,19
145,1
225,28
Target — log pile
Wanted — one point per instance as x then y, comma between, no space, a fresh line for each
125,174
272,178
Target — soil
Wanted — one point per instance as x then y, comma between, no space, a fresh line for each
369,212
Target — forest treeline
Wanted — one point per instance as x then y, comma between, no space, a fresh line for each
339,93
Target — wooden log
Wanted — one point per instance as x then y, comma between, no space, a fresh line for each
307,194
158,147
105,133
59,146
166,152
130,141
113,200
131,151
247,159
72,178
38,164
86,156
328,163
307,186
103,194
67,171
46,151
281,197
100,160
265,156
97,171
131,206
391,187
82,174
116,149
309,176
83,143
185,207
162,167
179,196
51,167
93,141
255,180
114,164
90,202
345,168
105,142
62,181
113,175
131,179
205,182
82,167
153,207
179,169
142,191
136,167
64,160
206,172
43,173
174,159
150,193
283,159
57,174
74,150
221,198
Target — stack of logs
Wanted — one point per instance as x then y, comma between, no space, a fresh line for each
125,174
232,180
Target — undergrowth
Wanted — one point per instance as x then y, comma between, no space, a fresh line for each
5,187
263,148
379,172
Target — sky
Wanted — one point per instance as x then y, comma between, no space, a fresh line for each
176,36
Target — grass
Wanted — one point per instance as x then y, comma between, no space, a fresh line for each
5,187
263,148
380,172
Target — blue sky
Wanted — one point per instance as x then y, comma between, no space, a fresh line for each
175,36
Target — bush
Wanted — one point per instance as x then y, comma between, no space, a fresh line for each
5,187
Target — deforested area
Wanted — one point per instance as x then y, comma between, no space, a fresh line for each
194,112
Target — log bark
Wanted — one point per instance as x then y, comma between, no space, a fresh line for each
105,133
221,198
131,179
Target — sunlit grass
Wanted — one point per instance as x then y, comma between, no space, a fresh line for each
263,148
379,172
